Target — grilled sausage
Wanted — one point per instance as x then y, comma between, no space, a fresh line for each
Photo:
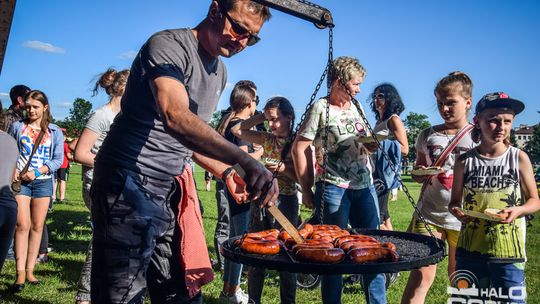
305,232
353,237
295,248
265,234
265,247
323,256
376,254
291,242
332,234
359,244
325,227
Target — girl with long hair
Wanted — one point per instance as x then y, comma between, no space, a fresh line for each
36,183
113,83
454,100
243,101
279,114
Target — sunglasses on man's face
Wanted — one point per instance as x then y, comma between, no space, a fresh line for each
256,100
240,32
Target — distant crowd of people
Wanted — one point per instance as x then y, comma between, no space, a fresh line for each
138,150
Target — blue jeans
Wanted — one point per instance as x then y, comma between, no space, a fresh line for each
359,208
37,188
507,279
238,225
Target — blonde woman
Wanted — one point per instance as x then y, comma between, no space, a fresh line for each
349,194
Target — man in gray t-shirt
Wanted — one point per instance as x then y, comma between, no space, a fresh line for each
173,88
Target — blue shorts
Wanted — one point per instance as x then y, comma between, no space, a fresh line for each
37,188
497,281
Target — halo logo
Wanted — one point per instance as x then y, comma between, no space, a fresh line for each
464,283
464,289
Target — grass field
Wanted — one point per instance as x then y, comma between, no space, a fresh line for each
69,229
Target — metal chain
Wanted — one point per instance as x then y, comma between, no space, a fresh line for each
391,163
306,111
326,126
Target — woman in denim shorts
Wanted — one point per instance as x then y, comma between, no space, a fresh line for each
37,184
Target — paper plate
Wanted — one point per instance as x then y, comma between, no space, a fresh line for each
493,216
369,139
427,171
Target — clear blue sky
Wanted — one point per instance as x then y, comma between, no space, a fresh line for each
60,46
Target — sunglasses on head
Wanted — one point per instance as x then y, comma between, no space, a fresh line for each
238,31
378,96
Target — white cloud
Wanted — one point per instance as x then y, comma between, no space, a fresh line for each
43,47
64,105
229,85
128,55
4,95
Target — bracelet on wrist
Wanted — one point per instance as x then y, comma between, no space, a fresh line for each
226,173
37,173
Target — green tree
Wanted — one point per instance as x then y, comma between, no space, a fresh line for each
415,123
533,146
78,115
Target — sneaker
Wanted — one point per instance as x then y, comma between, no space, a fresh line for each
239,297
42,258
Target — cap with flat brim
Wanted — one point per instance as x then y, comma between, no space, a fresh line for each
499,100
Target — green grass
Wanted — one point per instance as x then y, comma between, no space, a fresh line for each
70,233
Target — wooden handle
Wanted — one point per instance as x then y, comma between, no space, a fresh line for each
286,224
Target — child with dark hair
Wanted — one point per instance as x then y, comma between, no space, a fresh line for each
499,178
279,114
386,104
243,101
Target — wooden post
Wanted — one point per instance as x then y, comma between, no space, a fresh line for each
7,7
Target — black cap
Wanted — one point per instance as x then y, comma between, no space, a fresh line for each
499,100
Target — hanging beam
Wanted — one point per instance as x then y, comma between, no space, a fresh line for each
7,7
319,16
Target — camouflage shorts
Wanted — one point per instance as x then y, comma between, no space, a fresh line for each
135,241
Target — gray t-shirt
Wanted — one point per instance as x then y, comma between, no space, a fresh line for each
137,139
10,153
100,122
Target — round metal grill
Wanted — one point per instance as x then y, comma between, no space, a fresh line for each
414,251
